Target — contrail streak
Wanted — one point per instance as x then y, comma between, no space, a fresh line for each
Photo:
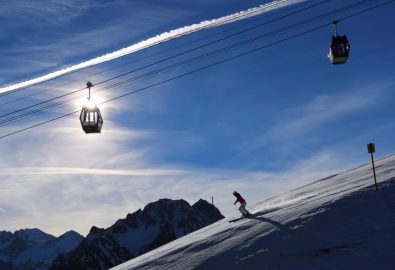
166,36
88,171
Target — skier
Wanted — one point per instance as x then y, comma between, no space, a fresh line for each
243,204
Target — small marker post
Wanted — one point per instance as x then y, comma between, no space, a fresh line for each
371,150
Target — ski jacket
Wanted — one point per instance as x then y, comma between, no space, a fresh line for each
239,198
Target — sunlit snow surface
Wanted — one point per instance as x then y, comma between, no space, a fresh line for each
339,222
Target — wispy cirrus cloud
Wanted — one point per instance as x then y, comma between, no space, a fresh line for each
163,37
296,123
42,13
319,111
37,14
59,179
59,174
64,39
57,199
29,171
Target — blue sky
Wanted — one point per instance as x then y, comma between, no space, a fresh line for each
262,124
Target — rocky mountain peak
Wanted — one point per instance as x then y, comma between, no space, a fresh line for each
34,249
157,224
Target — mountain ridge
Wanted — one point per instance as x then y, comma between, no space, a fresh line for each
337,222
33,248
158,223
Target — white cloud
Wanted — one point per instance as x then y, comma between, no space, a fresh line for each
65,38
29,171
172,34
57,178
40,193
42,13
295,125
15,15
319,111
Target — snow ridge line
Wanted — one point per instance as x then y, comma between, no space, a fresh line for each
155,40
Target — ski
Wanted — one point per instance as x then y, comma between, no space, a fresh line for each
237,219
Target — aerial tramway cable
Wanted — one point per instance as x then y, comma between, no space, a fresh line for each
230,19
158,71
173,56
205,67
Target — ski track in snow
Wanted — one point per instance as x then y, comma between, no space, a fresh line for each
166,36
328,224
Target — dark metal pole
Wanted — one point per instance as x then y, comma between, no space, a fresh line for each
374,172
212,200
89,85
335,27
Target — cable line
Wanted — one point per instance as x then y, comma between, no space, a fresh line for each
174,56
141,76
188,61
246,14
207,66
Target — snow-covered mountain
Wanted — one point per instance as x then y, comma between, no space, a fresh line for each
157,224
32,249
339,222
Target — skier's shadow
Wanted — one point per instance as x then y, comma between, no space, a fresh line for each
260,217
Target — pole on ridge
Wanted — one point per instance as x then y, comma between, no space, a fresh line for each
371,150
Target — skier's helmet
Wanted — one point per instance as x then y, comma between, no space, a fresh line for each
234,193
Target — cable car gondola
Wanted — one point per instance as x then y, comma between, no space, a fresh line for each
90,117
339,48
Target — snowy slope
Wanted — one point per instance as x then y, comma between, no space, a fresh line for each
339,222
